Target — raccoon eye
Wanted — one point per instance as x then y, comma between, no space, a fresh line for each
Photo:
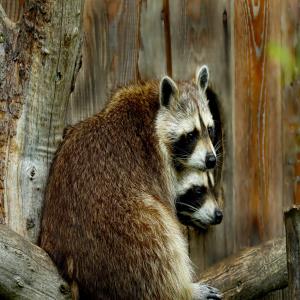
191,136
211,132
200,190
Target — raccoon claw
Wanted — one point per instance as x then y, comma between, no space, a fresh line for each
206,292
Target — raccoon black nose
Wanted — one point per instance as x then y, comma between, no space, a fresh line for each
210,161
218,216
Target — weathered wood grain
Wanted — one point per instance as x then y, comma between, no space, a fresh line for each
258,176
250,273
6,37
41,57
292,228
291,142
152,52
201,34
26,271
110,55
290,37
258,131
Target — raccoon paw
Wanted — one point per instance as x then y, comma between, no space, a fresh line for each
205,292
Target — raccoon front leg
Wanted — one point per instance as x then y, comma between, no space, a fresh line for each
205,292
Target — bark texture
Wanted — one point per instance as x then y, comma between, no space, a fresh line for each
292,228
26,271
39,59
251,273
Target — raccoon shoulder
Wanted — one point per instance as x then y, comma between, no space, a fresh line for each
142,94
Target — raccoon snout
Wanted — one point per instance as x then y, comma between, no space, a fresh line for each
218,217
210,161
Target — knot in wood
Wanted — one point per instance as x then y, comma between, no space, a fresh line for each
64,289
2,38
31,172
225,17
58,77
19,281
239,286
30,223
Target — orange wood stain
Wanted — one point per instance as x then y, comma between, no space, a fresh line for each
257,125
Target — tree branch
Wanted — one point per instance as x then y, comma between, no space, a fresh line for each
251,273
26,271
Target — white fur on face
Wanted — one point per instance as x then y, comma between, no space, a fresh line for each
181,118
182,125
207,117
211,177
191,179
197,159
206,213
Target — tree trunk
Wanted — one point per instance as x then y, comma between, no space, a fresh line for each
39,59
292,228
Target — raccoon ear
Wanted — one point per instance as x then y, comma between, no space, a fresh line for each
202,77
167,89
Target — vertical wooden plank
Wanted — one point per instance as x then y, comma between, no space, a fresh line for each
152,58
110,55
290,93
257,136
258,148
201,34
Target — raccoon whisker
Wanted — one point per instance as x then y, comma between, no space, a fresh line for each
187,205
182,156
219,142
219,152
218,146
183,151
219,164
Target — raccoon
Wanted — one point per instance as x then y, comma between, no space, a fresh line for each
198,193
187,126
196,201
109,220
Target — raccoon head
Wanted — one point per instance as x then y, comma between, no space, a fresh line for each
184,123
196,203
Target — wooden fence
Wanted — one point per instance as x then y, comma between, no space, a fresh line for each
246,45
